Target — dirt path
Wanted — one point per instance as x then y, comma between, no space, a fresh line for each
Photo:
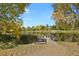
49,49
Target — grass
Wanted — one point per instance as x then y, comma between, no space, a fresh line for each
20,50
73,47
7,45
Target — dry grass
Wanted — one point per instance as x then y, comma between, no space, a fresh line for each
73,47
20,50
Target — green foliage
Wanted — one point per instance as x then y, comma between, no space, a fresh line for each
67,37
40,27
7,45
7,38
26,39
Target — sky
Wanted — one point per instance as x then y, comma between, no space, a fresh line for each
37,14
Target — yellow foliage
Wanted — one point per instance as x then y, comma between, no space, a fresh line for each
58,15
11,28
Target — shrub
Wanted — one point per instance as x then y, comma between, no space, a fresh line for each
26,39
67,37
7,38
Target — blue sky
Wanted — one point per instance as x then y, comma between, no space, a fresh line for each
37,14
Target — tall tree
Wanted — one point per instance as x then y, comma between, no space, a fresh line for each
9,17
65,15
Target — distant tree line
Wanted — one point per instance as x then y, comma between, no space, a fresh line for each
41,27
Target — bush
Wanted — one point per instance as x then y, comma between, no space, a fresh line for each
26,39
7,38
67,37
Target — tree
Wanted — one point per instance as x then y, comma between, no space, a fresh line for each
9,17
65,15
67,18
67,8
53,27
11,11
